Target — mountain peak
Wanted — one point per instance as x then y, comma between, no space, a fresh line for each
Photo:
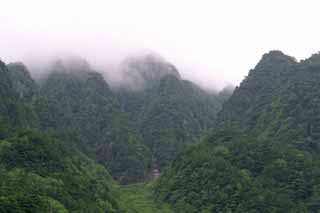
276,57
71,64
18,66
147,69
2,66
275,53
274,63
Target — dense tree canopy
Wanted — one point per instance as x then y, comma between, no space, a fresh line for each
263,154
38,174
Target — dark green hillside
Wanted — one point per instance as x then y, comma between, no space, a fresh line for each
167,112
13,109
129,131
177,114
258,91
230,172
269,160
22,82
38,174
7,94
82,109
279,99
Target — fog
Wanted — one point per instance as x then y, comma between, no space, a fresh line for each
213,43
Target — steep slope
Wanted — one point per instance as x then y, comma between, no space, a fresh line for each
263,155
38,173
22,82
258,91
168,112
177,114
13,110
7,93
130,131
226,93
27,92
279,99
144,71
78,104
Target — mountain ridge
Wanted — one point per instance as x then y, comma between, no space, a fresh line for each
262,155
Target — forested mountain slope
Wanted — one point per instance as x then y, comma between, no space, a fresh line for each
79,105
22,82
38,173
169,112
279,99
12,108
128,130
54,133
177,115
8,95
263,155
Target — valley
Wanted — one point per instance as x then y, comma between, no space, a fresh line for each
73,142
139,198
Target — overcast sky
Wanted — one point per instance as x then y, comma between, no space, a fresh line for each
214,43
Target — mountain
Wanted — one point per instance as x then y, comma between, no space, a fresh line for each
128,130
145,70
177,114
279,99
39,172
13,108
60,138
167,112
7,94
22,82
259,91
263,154
226,93
77,103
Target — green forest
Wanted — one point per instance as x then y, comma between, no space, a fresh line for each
72,141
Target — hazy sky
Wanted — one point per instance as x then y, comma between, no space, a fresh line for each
211,42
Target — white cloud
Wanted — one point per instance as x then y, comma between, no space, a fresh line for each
211,42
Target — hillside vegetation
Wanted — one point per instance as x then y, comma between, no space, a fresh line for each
263,154
66,140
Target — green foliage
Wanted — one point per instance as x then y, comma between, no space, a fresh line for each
13,108
170,115
34,152
38,174
263,155
241,175
81,108
22,82
138,198
128,132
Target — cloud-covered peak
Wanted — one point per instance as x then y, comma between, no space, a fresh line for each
71,64
145,69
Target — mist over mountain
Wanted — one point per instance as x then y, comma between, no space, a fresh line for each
132,128
151,106
122,126
143,71
252,148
